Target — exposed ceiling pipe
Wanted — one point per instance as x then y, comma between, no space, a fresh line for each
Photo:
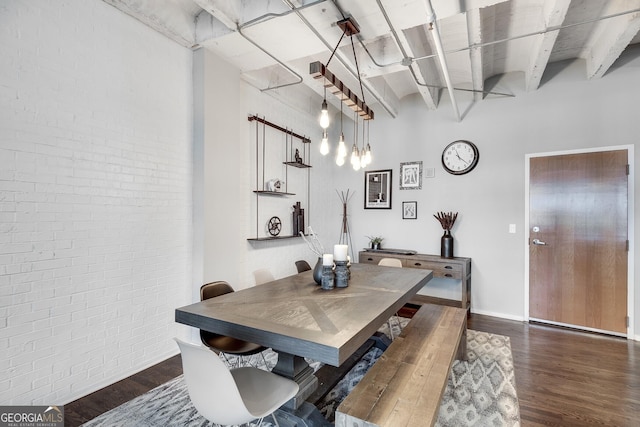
342,61
433,26
521,36
259,19
298,76
271,15
407,60
419,83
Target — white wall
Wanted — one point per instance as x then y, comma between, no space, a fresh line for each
95,196
229,140
567,112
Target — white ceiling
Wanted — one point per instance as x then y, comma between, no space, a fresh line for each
272,42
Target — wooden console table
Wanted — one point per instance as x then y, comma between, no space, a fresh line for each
458,268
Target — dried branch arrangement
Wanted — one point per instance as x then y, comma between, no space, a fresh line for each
446,219
313,243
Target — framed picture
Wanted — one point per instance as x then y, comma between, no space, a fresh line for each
411,176
409,210
377,189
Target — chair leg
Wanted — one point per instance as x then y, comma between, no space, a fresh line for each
397,323
273,415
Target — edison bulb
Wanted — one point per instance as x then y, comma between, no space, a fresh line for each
342,148
324,144
324,115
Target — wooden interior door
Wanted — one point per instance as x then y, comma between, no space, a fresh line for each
578,240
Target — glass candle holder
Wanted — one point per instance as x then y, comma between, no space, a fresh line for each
327,277
342,274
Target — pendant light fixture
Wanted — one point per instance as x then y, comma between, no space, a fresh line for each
342,147
365,153
324,144
324,112
359,157
342,151
355,153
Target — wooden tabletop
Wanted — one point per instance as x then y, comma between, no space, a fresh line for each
295,316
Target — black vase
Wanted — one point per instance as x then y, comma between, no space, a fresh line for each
317,271
446,245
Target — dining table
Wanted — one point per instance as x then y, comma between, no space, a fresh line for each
299,319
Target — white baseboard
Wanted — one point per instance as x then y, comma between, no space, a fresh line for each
522,319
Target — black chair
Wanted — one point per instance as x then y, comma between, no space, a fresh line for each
221,343
302,265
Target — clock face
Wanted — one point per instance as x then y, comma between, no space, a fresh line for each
460,157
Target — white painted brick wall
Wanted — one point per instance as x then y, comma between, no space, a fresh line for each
95,197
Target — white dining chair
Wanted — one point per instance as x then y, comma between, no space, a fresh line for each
231,397
263,275
391,262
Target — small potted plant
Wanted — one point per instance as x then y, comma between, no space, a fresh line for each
375,242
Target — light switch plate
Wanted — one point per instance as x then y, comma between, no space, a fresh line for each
512,228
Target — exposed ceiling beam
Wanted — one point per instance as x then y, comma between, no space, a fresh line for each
272,42
428,94
553,14
474,34
611,38
435,33
223,11
173,21
233,12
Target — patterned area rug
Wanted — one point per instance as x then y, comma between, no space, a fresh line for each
480,391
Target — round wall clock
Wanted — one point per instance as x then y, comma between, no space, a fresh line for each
460,157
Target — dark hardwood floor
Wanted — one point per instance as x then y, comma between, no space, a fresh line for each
570,378
94,404
563,377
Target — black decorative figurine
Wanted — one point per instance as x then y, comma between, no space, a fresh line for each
298,219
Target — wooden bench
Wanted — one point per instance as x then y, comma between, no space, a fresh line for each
405,386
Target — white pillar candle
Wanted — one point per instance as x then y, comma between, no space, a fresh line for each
340,252
327,259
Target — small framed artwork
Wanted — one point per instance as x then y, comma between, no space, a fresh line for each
377,189
411,176
409,210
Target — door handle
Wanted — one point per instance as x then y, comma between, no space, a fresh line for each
539,242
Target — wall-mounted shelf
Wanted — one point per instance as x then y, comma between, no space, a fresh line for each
297,165
268,155
262,239
273,193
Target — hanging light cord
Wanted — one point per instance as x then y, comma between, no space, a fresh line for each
357,68
336,48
